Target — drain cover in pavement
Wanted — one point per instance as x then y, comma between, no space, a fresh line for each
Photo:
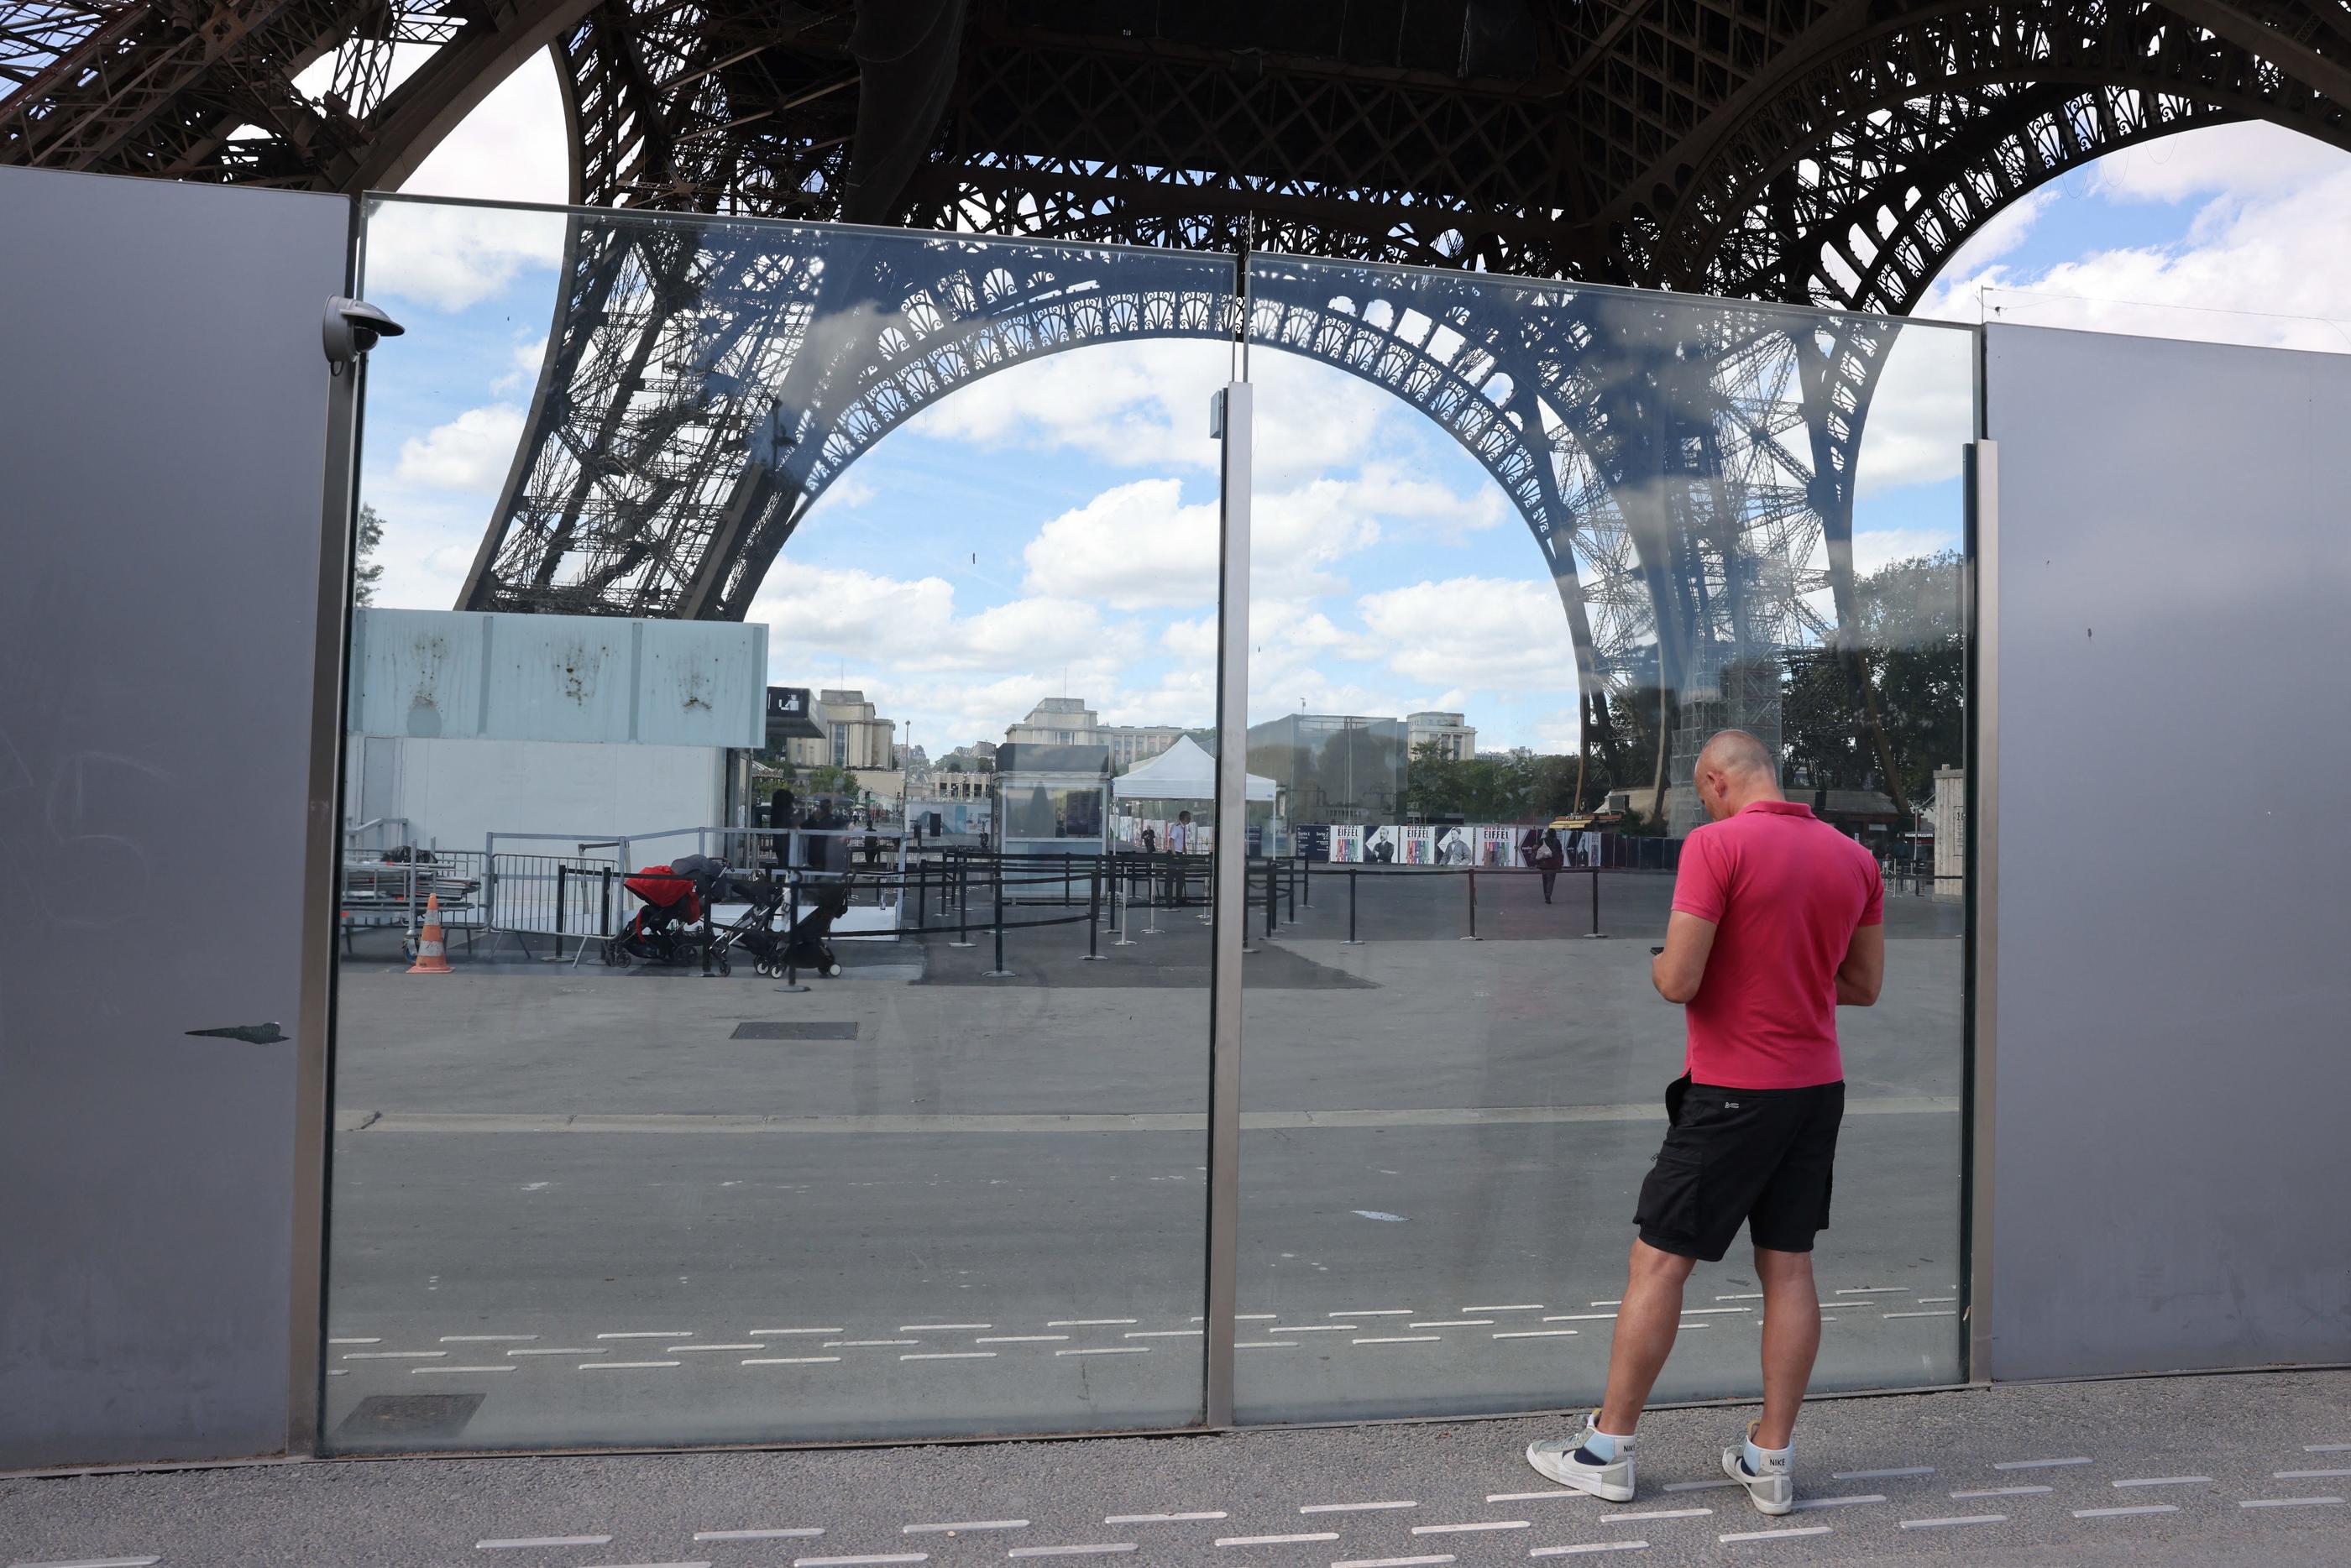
408,1417
795,1032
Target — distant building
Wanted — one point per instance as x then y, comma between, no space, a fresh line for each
1068,721
1332,767
1949,815
855,736
1455,741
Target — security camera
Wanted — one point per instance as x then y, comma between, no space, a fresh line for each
350,329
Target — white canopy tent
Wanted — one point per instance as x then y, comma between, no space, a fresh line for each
1182,772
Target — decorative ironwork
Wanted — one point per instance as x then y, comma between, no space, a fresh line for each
1804,151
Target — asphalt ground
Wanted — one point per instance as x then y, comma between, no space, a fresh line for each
599,1207
2247,1471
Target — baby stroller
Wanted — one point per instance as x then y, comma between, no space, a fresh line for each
670,927
809,944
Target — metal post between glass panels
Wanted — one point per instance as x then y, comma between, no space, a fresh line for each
1229,903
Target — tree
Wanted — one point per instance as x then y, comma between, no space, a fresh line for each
368,572
1909,641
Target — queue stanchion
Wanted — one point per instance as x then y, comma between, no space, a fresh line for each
1306,879
792,923
962,896
997,886
1093,913
1351,909
1272,905
1289,887
1596,931
1473,907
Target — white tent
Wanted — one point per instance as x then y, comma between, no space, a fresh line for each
1182,772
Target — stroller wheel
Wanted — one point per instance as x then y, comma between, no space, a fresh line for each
613,956
760,968
725,967
833,971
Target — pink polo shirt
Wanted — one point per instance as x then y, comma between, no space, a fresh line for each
1785,891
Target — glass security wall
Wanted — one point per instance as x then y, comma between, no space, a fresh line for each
708,567
780,806
1561,535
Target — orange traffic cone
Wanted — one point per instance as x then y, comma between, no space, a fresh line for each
432,955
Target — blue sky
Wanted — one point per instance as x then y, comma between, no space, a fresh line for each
1051,529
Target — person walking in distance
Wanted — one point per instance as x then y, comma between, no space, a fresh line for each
1549,859
1776,923
1179,844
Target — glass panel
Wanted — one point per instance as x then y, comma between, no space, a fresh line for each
1518,550
869,564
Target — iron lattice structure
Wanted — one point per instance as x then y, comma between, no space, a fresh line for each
705,381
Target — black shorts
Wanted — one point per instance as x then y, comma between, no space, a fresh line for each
1761,1158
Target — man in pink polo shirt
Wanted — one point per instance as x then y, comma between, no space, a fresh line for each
1777,921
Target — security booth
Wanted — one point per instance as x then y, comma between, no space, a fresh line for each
1052,800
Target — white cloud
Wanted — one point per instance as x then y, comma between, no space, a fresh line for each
529,359
1499,634
2228,160
2010,226
2264,262
913,624
511,147
471,452
450,259
1876,547
1135,404
1921,412
1134,545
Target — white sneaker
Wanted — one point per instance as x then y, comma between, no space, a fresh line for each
1565,1460
1774,1490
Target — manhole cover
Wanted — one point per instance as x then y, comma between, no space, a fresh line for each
408,1417
795,1032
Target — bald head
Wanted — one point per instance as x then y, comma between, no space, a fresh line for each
1733,771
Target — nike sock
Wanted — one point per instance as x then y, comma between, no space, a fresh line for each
1758,1458
1606,1447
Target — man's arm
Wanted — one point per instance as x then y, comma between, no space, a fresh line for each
1678,972
1863,973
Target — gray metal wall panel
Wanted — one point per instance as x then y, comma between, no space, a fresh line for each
2175,814
161,445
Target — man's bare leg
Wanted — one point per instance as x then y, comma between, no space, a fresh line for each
1645,1325
1792,1338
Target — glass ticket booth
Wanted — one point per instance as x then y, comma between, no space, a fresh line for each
1052,800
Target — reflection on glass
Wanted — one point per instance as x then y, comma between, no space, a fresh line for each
1558,536
715,606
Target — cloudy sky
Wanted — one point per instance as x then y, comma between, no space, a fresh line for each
1051,530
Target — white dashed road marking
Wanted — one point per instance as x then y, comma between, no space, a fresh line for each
2119,1512
563,1350
1109,1350
678,1349
1533,1496
1472,1528
622,1366
650,1333
2174,1480
2305,1475
1161,1518
772,1333
422,1371
787,1360
1093,1323
1401,1339
2326,1448
1354,1507
858,1562
2292,1502
756,1534
519,1543
1515,1306
1961,1519
392,1354
1071,1551
487,1338
1588,1546
1938,1312
2001,1492
2037,1464
1276,1539
1773,1535
95,1562
1455,1323
1390,1562
948,1356
939,1327
1536,1334
964,1524
1657,1513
